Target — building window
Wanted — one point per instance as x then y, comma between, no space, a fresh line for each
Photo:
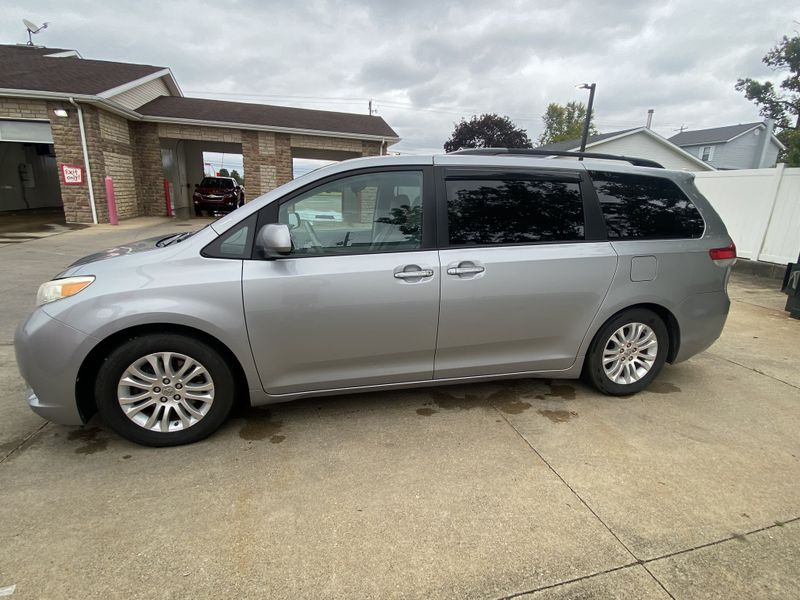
707,153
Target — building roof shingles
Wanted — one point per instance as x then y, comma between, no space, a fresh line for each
29,68
201,109
714,135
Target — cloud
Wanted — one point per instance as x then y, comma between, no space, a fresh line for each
426,64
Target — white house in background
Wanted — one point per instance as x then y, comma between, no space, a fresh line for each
640,142
743,146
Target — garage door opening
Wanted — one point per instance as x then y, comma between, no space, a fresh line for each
30,196
187,162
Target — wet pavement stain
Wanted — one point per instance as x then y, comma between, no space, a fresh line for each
449,401
508,400
260,426
8,447
92,443
739,537
426,412
126,457
514,407
558,416
662,387
561,390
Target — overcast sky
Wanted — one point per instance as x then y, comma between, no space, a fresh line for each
426,63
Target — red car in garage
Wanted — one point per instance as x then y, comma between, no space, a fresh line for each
217,195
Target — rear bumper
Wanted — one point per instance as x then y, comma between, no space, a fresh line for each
701,318
49,354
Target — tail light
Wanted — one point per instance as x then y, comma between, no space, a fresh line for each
723,257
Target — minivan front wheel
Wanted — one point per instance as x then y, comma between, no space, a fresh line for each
164,390
628,352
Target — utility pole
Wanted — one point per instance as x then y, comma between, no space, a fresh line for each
370,107
591,87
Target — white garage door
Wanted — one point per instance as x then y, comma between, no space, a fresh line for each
25,131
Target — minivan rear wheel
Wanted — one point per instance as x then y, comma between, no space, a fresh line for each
628,352
164,390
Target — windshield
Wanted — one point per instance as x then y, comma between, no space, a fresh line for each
217,182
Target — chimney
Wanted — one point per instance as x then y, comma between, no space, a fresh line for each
649,118
762,157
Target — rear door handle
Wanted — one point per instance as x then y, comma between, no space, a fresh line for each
465,270
414,274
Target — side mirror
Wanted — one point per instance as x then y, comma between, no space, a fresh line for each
275,240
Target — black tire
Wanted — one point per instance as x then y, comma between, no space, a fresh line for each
198,213
123,356
593,371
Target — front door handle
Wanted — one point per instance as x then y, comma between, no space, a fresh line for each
474,270
414,274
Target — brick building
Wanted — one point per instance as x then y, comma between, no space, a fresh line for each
67,123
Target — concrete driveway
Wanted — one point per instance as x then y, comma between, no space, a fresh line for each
524,489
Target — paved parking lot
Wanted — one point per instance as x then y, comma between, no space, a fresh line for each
529,488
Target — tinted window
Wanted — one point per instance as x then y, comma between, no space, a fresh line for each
513,211
375,212
217,182
642,207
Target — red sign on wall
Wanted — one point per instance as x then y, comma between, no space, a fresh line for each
72,174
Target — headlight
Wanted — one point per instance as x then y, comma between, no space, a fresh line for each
62,288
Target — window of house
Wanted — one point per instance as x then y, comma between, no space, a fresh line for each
644,207
707,153
513,211
374,212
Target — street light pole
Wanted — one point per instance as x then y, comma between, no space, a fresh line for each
591,87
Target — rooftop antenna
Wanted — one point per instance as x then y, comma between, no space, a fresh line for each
681,129
33,28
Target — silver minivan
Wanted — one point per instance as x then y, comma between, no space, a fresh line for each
381,273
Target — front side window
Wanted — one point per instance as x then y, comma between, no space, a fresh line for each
645,207
374,212
513,211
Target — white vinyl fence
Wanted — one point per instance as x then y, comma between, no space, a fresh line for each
761,209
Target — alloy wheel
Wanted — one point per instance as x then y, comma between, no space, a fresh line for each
630,352
165,392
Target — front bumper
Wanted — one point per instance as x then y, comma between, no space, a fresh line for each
214,205
49,355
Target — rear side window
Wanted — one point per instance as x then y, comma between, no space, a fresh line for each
513,211
639,207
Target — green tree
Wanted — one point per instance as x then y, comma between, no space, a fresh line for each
564,122
781,103
487,131
235,174
223,172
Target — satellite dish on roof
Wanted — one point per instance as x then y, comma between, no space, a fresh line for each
33,28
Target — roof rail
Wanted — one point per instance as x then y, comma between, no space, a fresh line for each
638,162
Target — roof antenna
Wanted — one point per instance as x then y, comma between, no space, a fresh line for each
681,129
33,28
